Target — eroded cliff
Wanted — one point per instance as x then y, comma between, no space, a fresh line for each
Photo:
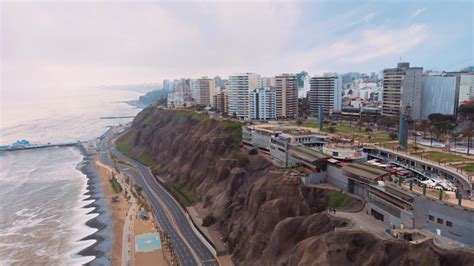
264,214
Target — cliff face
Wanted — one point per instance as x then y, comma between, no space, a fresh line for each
265,215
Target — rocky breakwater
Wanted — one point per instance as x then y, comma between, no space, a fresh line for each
265,215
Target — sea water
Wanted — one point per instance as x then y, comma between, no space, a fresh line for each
42,202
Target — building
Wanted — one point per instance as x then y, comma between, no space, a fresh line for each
239,88
440,95
344,151
203,91
166,85
268,82
286,86
402,91
354,178
390,205
466,88
260,136
175,99
288,140
262,104
325,91
220,102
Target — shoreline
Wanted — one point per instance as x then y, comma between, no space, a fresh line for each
102,248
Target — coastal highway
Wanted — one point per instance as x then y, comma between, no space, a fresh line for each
167,212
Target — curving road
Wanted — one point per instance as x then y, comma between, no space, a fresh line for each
167,212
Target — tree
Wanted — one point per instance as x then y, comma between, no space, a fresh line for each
424,124
299,122
468,133
234,115
208,221
441,124
466,111
331,129
393,135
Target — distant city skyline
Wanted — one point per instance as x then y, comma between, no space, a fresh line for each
55,45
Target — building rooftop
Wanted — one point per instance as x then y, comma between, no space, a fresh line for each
364,171
307,154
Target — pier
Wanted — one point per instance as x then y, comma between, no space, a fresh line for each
116,117
66,144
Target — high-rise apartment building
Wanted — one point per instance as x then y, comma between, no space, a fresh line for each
286,88
221,102
203,91
239,88
402,91
262,104
325,91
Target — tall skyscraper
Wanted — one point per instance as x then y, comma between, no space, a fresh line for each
402,90
325,91
203,91
239,88
262,104
286,87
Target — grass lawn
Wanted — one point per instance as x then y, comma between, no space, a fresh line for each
445,157
338,200
394,145
307,124
469,168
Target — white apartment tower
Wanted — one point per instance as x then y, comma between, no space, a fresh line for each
286,87
262,104
239,88
402,91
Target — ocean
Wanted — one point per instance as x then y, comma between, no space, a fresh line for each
45,206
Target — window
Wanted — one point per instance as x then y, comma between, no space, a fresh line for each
449,224
439,220
431,217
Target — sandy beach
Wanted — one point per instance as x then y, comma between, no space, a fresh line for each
118,213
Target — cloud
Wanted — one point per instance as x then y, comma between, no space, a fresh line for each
418,12
96,43
363,46
80,44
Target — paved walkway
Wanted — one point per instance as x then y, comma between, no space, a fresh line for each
362,221
127,242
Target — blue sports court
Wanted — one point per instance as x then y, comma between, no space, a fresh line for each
147,242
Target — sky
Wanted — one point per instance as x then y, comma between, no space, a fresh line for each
87,43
